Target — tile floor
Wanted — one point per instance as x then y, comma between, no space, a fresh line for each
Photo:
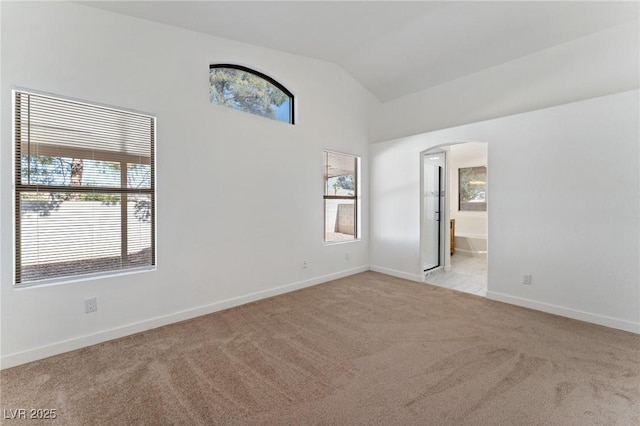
467,274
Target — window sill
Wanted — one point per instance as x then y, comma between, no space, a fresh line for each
80,278
333,243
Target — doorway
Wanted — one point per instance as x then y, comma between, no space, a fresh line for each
455,257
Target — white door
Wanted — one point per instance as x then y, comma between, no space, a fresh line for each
433,214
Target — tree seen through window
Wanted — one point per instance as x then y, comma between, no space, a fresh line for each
243,89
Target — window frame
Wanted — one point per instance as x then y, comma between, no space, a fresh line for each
356,197
469,206
83,153
268,79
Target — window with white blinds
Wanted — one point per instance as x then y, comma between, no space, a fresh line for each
85,190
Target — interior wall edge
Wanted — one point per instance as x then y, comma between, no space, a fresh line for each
397,274
617,323
57,348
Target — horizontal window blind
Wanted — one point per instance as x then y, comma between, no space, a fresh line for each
85,190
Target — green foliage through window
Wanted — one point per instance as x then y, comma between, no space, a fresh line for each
243,89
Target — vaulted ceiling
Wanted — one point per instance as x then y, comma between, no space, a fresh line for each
393,48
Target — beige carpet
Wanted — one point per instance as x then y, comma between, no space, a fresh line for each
368,349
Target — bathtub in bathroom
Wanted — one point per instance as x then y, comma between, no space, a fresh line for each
471,244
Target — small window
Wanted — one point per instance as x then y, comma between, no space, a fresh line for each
84,189
244,89
341,210
472,190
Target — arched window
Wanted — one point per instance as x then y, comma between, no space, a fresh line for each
244,89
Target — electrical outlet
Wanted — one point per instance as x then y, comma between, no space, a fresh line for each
90,305
526,279
304,264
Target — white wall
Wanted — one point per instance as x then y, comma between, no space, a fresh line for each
564,206
239,196
468,223
595,65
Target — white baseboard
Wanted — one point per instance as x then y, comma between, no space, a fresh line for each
398,274
606,321
12,360
476,253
